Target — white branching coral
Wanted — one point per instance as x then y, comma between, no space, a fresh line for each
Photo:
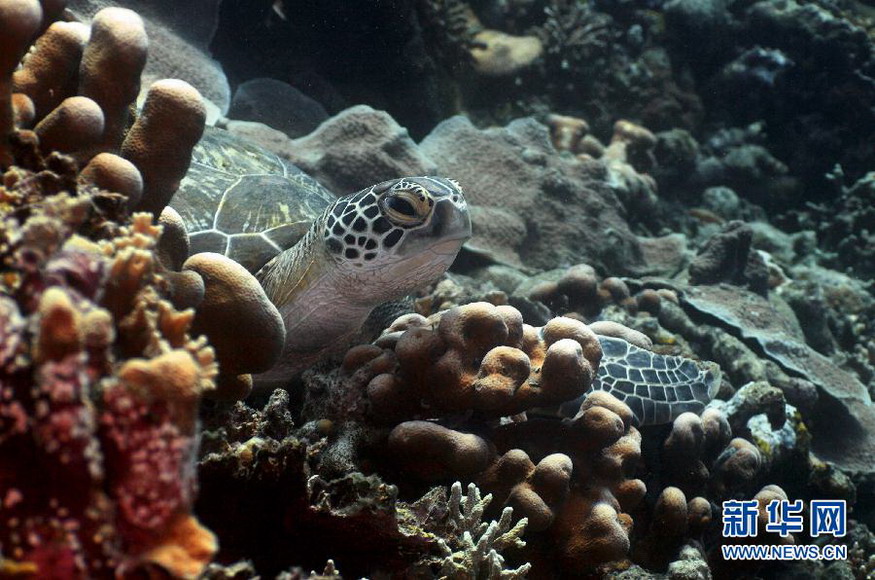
473,551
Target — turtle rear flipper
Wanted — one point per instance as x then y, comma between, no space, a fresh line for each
656,387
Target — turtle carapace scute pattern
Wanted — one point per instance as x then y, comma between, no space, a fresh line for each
656,387
245,202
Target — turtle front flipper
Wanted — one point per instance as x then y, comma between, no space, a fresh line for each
656,387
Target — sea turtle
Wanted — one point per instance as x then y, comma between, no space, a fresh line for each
324,262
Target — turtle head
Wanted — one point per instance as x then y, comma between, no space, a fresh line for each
398,235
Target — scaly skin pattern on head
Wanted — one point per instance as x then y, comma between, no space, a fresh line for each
378,244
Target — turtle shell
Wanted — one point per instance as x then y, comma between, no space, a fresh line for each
241,200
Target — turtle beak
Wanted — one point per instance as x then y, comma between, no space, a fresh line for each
450,222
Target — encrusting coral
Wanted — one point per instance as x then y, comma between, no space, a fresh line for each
100,374
100,385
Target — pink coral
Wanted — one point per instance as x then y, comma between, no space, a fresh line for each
100,378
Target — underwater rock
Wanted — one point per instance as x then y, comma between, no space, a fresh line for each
843,421
736,158
515,168
277,105
690,565
840,315
286,512
385,55
727,257
724,202
357,148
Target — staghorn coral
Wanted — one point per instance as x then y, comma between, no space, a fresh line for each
474,546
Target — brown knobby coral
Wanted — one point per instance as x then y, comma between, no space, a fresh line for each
701,457
571,479
580,293
483,358
80,83
233,299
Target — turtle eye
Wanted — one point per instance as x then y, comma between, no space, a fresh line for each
406,207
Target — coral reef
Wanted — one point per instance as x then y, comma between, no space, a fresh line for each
843,229
776,333
285,513
650,180
277,105
101,381
103,375
83,86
